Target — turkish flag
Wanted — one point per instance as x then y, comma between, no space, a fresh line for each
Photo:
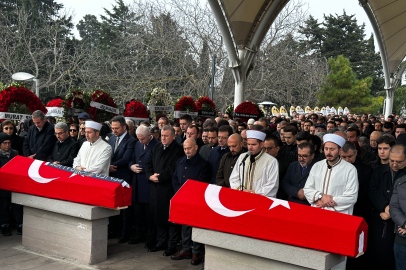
25,175
222,209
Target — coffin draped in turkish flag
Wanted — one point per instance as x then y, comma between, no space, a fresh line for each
55,181
222,209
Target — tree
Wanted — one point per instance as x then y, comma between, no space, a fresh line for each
341,35
342,88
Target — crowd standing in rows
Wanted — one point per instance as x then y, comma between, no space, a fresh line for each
352,164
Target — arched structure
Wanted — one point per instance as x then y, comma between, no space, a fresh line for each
244,23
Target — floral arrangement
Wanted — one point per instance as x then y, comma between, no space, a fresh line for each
55,103
105,98
186,104
75,99
249,107
19,94
230,109
135,109
160,97
205,104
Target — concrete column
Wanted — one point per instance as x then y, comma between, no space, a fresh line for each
389,102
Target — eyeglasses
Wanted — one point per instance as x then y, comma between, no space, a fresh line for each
59,134
6,143
222,138
396,161
72,130
304,156
8,128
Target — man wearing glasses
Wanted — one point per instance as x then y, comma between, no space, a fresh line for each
381,231
297,174
65,149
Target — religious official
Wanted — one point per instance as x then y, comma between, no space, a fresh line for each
228,161
192,166
140,183
160,168
95,154
332,183
256,171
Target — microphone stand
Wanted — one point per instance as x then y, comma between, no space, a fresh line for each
243,170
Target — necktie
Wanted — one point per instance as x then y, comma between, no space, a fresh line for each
303,170
115,147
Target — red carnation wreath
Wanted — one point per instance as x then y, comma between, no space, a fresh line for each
250,109
206,104
136,109
185,104
20,94
55,103
105,98
75,99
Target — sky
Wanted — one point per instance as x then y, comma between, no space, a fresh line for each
316,8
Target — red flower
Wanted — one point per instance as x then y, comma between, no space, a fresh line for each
136,109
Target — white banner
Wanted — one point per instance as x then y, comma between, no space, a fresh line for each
104,107
55,111
160,108
14,116
178,114
136,119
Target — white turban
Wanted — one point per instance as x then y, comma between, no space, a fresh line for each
334,138
255,134
92,124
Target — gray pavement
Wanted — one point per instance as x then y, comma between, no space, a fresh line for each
120,256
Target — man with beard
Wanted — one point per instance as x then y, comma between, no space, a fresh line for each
297,174
228,160
353,135
159,169
260,171
381,231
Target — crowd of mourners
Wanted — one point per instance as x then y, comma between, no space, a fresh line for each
352,164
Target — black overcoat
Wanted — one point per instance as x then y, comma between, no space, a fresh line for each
163,162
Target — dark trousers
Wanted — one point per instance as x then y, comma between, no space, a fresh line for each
128,218
166,233
187,243
400,256
16,209
141,218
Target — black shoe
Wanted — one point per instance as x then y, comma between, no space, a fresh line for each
136,240
157,248
20,229
5,230
123,239
169,252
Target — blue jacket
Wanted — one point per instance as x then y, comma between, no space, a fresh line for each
214,159
295,181
196,168
41,142
140,183
122,156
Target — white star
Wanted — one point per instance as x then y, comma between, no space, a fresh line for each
276,202
74,174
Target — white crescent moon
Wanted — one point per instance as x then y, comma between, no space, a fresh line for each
211,195
33,173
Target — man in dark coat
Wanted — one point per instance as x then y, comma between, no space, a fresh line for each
6,154
65,149
381,229
140,183
192,166
297,174
217,153
363,206
212,137
160,168
122,144
184,121
40,138
229,159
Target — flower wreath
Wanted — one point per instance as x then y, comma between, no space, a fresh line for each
135,108
160,97
249,107
55,103
75,99
186,104
205,104
230,110
19,94
105,98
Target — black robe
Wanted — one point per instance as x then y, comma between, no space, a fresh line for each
163,162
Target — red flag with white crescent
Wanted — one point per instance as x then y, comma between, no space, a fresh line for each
222,209
25,175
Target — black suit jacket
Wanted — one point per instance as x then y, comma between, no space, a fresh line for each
38,142
64,152
122,156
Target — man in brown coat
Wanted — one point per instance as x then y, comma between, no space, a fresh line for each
227,162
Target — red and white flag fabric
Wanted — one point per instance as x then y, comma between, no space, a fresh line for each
30,176
222,209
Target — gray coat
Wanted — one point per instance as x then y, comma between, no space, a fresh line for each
397,206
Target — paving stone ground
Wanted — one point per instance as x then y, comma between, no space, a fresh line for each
120,256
